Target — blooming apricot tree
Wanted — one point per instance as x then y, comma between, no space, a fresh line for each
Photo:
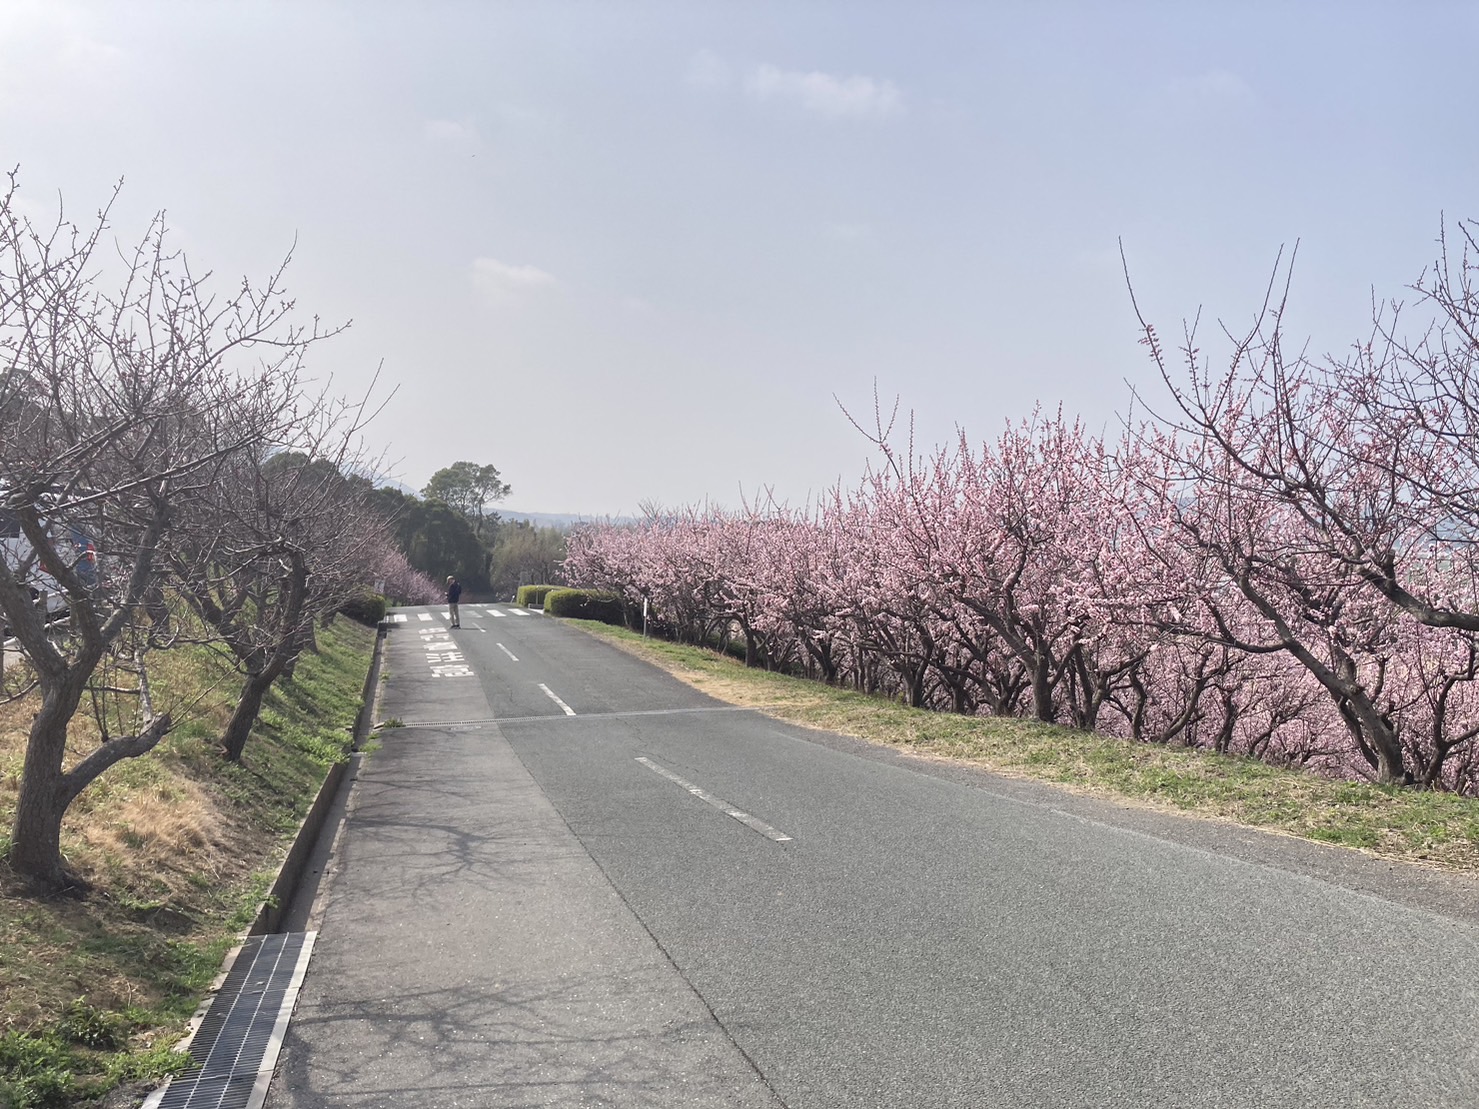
1284,563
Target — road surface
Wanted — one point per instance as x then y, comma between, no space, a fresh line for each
571,880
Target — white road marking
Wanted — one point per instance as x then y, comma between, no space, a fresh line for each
515,657
495,612
423,616
550,693
518,612
582,717
398,618
719,803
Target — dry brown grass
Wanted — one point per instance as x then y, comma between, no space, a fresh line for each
147,830
176,845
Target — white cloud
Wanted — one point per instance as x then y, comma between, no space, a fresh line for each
90,56
446,130
707,70
1215,85
826,95
44,44
638,306
500,279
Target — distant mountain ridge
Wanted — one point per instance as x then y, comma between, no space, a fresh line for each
541,519
561,519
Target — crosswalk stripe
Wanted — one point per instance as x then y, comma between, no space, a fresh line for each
518,612
423,616
495,612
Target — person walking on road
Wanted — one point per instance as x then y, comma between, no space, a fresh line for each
454,594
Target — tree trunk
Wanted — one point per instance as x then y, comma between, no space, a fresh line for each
1042,690
752,652
916,677
1390,770
239,729
36,832
244,718
822,656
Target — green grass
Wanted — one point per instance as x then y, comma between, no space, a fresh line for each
180,847
1437,829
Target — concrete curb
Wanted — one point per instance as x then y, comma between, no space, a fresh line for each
289,877
279,899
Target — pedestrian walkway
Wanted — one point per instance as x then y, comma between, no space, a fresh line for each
470,952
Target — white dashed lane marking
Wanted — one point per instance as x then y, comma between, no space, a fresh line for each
515,657
550,693
751,822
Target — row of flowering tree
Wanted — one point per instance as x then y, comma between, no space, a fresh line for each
167,472
1279,563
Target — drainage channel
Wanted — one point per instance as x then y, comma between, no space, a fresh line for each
236,1045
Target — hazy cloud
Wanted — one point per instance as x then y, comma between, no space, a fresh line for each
708,70
1215,85
448,131
848,232
45,43
639,307
826,95
89,56
500,279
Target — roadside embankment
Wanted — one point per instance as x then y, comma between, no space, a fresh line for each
181,849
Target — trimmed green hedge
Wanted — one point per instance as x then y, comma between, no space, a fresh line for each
367,609
532,596
585,604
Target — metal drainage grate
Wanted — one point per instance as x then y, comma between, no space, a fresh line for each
236,1045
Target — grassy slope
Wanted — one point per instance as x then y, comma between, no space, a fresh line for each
1432,828
180,847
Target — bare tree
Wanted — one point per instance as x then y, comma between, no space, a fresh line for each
119,409
1337,497
1416,405
285,537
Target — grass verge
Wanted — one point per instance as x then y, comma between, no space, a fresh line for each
180,847
1437,829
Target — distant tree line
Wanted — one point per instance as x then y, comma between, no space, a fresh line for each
452,530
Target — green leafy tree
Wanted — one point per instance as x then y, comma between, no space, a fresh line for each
525,554
435,538
469,489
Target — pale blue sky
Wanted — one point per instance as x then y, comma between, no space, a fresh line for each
630,252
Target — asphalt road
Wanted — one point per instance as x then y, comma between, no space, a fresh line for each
571,880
